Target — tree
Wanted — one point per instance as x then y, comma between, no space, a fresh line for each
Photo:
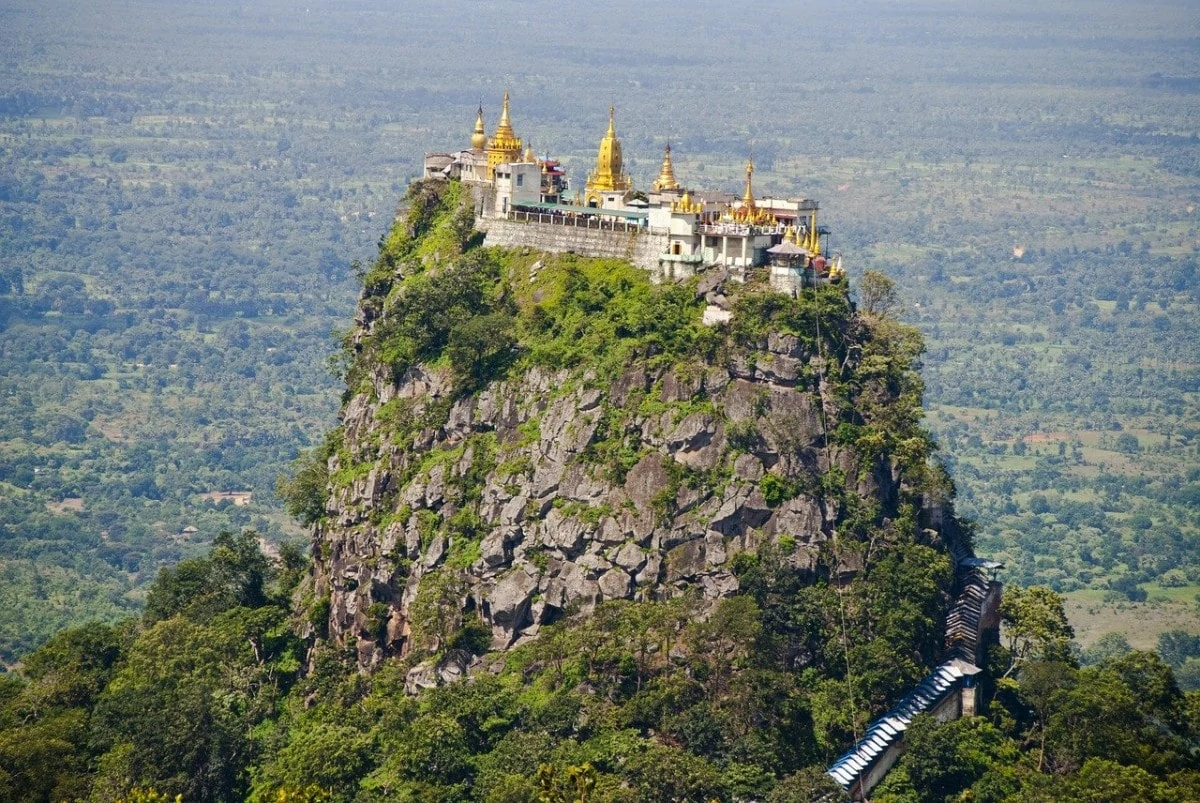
1036,625
1176,646
304,492
235,573
941,761
807,785
878,295
1110,645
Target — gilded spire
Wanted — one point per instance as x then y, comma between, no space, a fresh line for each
504,129
666,175
748,212
609,175
529,156
504,147
479,137
748,195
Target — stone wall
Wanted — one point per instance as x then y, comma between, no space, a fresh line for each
641,248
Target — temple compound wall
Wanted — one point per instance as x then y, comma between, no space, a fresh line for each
633,245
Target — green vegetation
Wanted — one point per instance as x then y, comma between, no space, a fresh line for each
172,702
1119,729
637,702
173,238
175,231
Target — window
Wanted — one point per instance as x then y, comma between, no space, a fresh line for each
520,179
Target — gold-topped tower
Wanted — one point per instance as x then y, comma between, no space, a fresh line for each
505,145
748,212
813,243
479,137
609,175
666,175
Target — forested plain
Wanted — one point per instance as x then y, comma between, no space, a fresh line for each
184,190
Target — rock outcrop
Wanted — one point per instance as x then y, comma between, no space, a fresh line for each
462,521
557,524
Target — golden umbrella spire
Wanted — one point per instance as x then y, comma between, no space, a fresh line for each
666,175
748,195
479,137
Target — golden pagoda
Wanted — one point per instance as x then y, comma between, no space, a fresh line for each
666,174
609,175
748,212
813,240
688,205
479,137
505,145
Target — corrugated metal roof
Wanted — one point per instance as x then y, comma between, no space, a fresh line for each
889,729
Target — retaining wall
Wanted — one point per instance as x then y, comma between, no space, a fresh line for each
638,247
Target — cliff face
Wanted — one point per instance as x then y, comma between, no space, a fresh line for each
581,448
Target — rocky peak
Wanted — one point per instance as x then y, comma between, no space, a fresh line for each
465,514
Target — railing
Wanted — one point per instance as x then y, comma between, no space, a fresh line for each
669,257
597,222
737,229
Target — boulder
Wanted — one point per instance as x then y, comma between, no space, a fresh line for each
508,601
615,584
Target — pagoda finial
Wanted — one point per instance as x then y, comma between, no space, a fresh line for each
666,175
748,196
479,137
504,129
505,145
609,174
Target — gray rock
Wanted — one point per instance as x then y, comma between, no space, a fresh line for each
649,575
514,510
508,601
714,548
563,532
630,556
593,564
435,551
615,584
435,487
431,674
610,532
645,480
570,586
495,548
716,586
691,442
748,467
685,561
801,518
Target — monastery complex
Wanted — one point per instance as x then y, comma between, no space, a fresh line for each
669,230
